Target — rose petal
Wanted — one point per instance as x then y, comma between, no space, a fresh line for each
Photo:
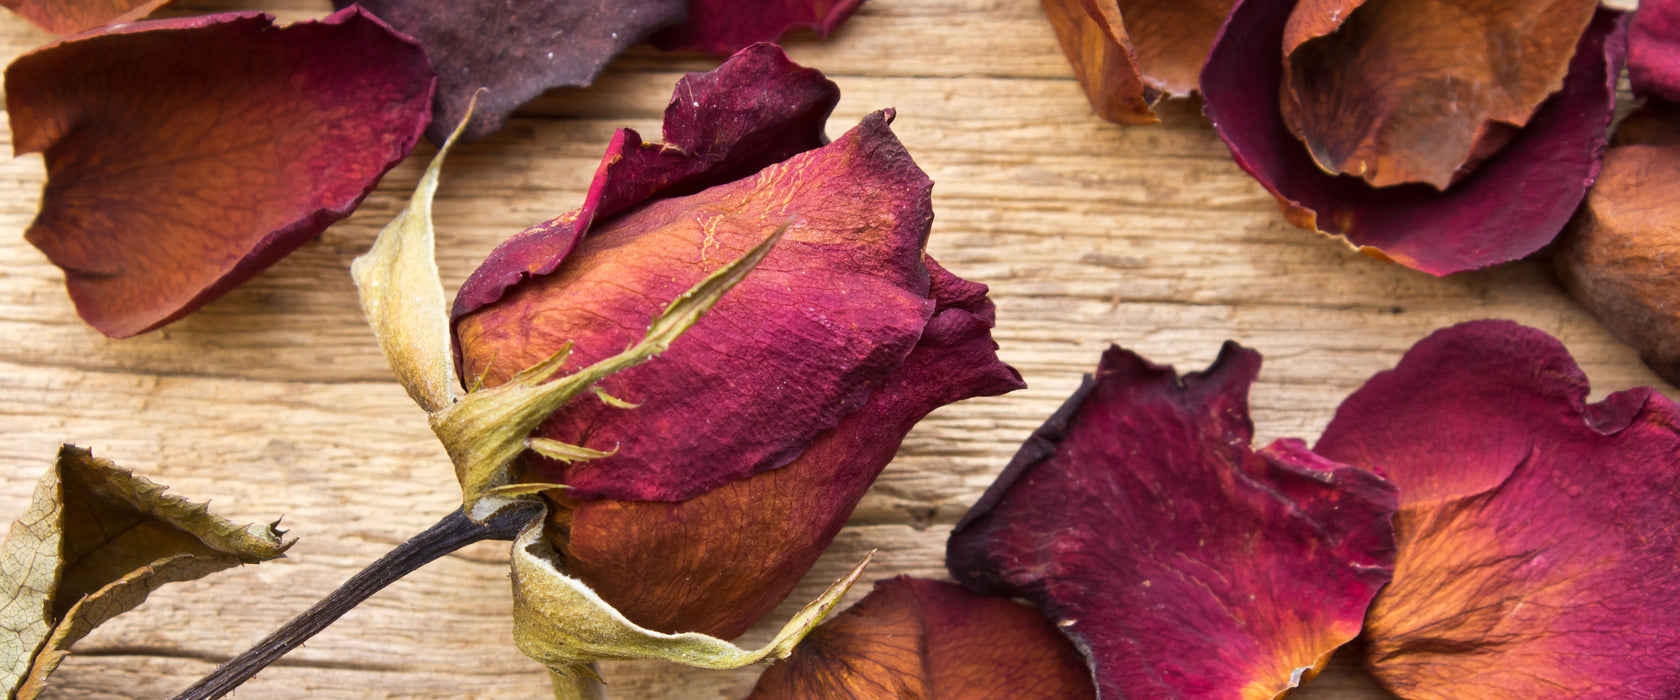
722,27
1128,54
756,109
186,156
918,638
1514,204
516,48
1614,256
1654,50
1536,532
800,343
721,560
71,16
1398,91
1180,561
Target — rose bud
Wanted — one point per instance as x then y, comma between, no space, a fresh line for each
699,487
1536,531
1444,136
919,638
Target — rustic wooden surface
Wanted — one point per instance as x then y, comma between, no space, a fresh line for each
275,400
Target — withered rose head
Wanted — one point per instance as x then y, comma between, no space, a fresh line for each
919,638
1181,561
185,156
1537,532
1442,134
754,436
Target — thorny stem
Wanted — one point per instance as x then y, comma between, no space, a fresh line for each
451,533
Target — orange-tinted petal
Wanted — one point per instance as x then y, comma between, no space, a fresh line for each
722,27
185,156
1128,54
1615,256
1511,206
1182,562
932,640
718,562
71,16
1537,533
516,49
1398,91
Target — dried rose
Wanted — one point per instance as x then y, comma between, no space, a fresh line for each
1536,531
1129,54
791,396
1182,562
186,156
71,16
1369,91
918,638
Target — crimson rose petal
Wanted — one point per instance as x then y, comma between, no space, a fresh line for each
722,27
1182,562
516,48
1514,203
918,638
186,156
756,109
779,521
1654,50
1537,533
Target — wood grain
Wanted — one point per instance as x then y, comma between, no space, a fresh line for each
275,400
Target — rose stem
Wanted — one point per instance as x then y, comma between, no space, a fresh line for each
451,533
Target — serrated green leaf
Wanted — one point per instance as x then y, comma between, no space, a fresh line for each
95,542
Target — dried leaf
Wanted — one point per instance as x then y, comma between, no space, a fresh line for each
71,16
1512,205
95,542
402,294
516,49
918,638
1399,91
1180,560
185,156
1536,531
560,622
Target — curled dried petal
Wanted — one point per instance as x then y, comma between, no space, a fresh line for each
1536,531
1182,562
186,156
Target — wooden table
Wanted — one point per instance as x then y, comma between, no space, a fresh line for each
274,400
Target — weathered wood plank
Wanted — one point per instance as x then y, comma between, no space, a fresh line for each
274,399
